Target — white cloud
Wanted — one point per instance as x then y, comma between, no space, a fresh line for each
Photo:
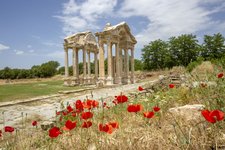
3,47
171,18
84,16
18,52
56,54
52,44
31,51
29,46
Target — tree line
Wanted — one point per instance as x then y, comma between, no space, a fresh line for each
181,51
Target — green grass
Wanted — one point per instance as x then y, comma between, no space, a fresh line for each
29,90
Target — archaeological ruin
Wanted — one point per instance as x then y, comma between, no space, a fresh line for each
120,60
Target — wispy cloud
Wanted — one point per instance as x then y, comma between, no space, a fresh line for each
83,16
3,47
18,52
56,54
173,17
52,44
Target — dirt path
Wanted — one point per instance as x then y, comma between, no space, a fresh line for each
45,109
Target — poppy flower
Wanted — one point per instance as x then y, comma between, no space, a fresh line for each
149,114
140,88
34,123
134,108
104,104
121,99
171,86
86,124
0,133
106,128
69,108
64,113
70,125
86,115
114,124
58,112
73,114
156,108
9,129
220,75
213,116
95,103
79,106
54,132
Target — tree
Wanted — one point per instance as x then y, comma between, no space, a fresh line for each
184,49
213,47
155,55
138,65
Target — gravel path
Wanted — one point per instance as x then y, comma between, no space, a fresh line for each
45,109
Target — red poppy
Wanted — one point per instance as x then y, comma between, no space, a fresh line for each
9,129
54,132
79,106
171,86
58,112
69,108
134,108
0,133
220,75
95,103
213,116
106,128
86,115
140,88
64,113
149,114
34,123
104,104
70,125
114,124
121,99
86,124
73,114
156,108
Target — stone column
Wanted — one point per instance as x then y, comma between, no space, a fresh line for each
66,66
121,63
110,71
132,65
89,67
73,81
126,65
118,65
84,66
77,66
101,64
96,66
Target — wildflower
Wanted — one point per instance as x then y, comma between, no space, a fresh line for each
114,124
69,108
54,132
156,108
149,114
86,124
79,106
140,88
134,108
34,123
213,116
64,113
0,133
121,99
9,129
73,114
70,125
171,86
58,112
86,115
220,75
106,128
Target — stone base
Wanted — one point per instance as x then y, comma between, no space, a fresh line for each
66,81
109,81
118,80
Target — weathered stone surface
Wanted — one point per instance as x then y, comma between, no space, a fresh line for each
188,112
47,125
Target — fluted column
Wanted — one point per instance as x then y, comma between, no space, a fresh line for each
96,65
66,66
118,64
132,65
101,63
66,63
74,60
126,65
77,65
84,65
89,67
109,78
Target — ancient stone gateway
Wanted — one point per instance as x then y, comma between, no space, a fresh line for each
120,68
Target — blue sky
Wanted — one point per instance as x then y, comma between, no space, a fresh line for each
32,31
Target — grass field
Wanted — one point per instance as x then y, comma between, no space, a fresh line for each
28,90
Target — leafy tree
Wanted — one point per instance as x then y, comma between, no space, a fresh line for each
138,65
155,55
184,49
213,47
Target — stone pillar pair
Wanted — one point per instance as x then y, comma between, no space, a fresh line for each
75,79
